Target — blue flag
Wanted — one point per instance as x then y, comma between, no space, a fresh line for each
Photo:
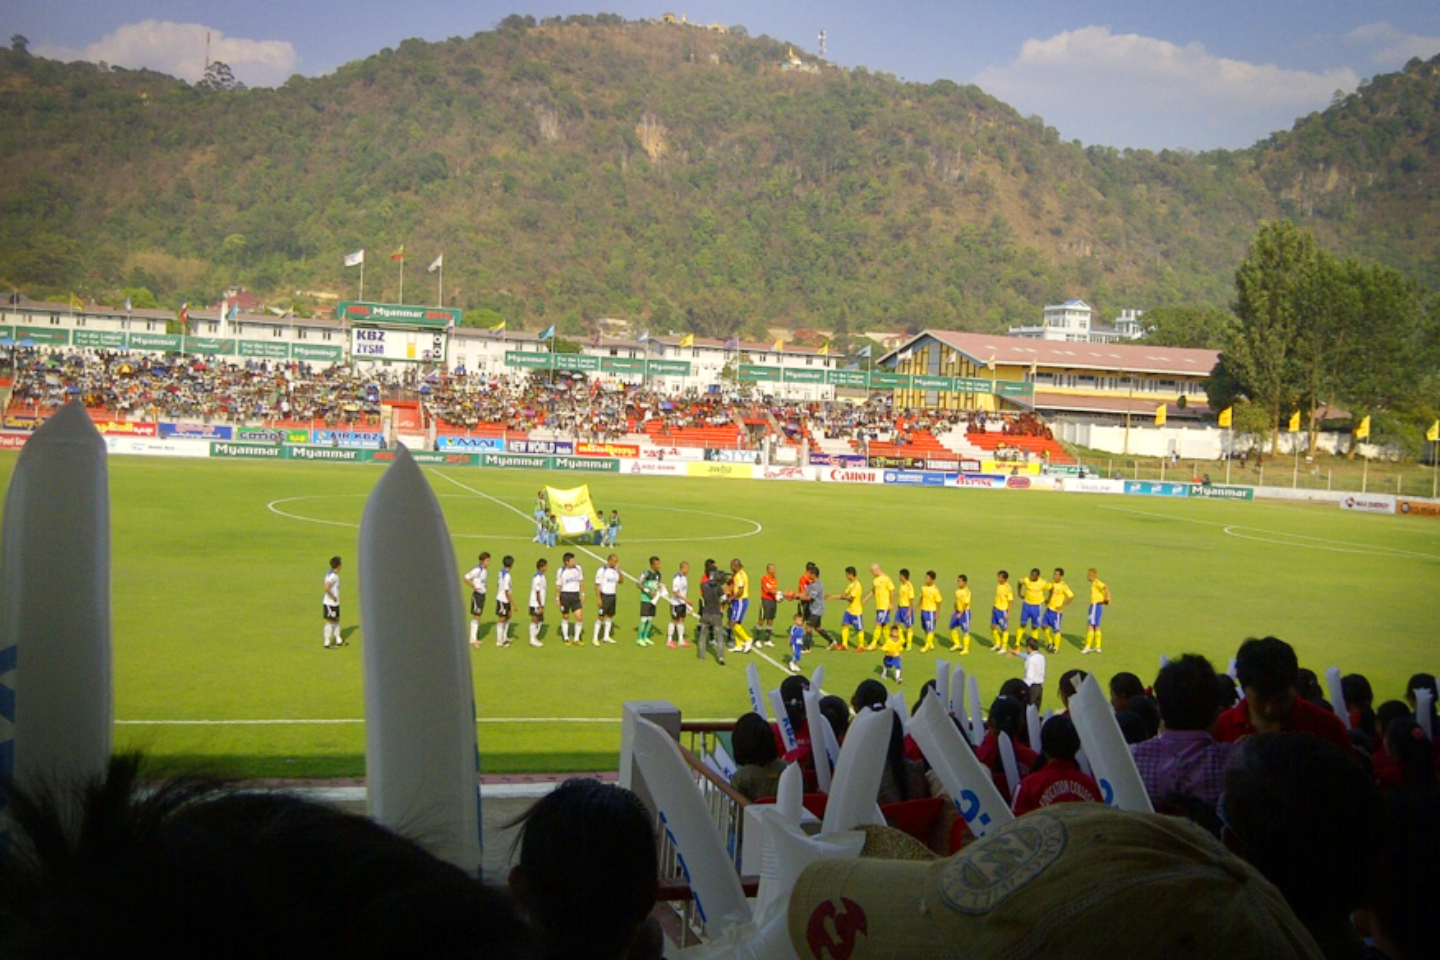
865,352
548,333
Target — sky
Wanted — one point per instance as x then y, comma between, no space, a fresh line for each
1124,73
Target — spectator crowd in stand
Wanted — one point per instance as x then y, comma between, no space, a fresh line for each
1281,830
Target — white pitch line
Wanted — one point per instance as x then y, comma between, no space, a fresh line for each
599,559
355,720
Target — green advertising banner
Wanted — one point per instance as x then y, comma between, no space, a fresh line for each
209,346
346,454
667,368
622,365
252,451
108,339
847,378
1014,388
7,332
165,342
517,461
528,361
43,336
889,381
451,458
752,373
804,376
388,313
577,362
587,464
1219,491
923,381
325,354
971,385
268,349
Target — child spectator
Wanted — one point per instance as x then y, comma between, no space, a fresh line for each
758,762
1056,777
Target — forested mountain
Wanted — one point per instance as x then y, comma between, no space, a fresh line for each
684,177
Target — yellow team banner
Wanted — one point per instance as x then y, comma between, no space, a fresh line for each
1295,422
1160,415
1227,417
1362,432
730,471
1433,434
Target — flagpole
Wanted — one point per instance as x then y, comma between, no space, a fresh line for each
402,279
362,276
441,297
1229,451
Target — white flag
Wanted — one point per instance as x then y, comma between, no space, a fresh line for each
355,259
439,262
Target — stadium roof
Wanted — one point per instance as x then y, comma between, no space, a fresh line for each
1023,351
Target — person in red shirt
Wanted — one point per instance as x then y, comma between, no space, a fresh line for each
1268,672
769,595
1007,715
1057,778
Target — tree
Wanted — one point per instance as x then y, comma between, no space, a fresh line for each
1203,328
218,76
233,244
1271,288
20,43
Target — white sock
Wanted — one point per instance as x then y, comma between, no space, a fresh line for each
534,631
595,634
327,633
607,629
474,630
579,631
505,632
565,629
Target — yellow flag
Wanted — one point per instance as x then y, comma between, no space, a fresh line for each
687,341
1433,434
1227,417
779,345
76,302
1295,422
498,327
1362,432
1160,415
823,351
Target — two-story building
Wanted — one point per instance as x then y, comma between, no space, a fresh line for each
1073,322
994,373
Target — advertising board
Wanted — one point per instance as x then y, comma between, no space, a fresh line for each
1417,508
563,448
198,431
476,444
1220,491
1091,485
851,475
654,468
348,438
1156,488
628,451
729,471
774,472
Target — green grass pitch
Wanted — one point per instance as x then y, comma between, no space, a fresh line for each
216,597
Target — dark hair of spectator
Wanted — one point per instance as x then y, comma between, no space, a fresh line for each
1358,695
1144,707
1285,794
1007,715
1125,685
1070,682
837,712
754,741
1404,893
1132,727
1307,687
193,868
1390,711
1424,681
1185,692
1226,694
895,757
870,693
1059,740
1267,666
792,694
1016,688
587,869
1408,746
927,689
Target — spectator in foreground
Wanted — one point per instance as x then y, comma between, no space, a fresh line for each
757,761
1007,715
1070,682
1359,703
1151,886
1424,681
837,714
192,868
1184,765
1398,919
902,779
1413,766
587,870
1303,812
1268,674
1057,778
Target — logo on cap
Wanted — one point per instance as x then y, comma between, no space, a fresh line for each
831,931
1000,863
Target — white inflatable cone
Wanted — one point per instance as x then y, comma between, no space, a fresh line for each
56,705
1337,695
857,775
757,699
421,761
961,773
1110,760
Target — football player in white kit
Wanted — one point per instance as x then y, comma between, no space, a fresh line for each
478,578
331,605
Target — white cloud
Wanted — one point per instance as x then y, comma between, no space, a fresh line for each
179,49
1392,47
1126,90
